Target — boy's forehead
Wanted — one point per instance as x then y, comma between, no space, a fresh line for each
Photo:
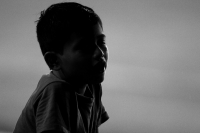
94,31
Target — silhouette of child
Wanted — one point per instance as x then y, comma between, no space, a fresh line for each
68,99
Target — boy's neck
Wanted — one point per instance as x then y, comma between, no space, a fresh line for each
79,88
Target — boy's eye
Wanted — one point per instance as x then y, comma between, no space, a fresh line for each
88,46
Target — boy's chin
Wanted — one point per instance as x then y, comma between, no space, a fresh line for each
96,79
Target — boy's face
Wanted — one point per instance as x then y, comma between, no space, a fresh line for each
84,58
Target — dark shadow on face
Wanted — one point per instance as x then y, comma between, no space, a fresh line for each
85,56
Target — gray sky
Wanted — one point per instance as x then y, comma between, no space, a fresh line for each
153,78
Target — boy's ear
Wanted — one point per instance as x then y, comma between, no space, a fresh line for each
52,60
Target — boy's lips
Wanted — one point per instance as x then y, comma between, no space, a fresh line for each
100,67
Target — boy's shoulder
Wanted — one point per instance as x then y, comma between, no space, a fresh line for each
48,79
49,85
53,82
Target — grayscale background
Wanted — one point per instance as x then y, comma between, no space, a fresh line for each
152,83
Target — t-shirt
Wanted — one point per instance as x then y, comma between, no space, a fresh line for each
54,105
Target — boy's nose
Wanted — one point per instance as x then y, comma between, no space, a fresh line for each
98,52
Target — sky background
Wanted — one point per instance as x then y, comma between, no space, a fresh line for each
152,83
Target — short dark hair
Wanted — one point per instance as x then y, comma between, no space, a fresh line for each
59,21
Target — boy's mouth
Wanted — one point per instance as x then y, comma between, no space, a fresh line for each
100,67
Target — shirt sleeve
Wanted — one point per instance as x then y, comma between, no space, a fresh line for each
53,109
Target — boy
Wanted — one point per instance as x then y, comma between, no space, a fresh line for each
68,100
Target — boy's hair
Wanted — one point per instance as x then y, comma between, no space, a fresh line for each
59,21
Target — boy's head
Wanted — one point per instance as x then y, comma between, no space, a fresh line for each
72,42
56,24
